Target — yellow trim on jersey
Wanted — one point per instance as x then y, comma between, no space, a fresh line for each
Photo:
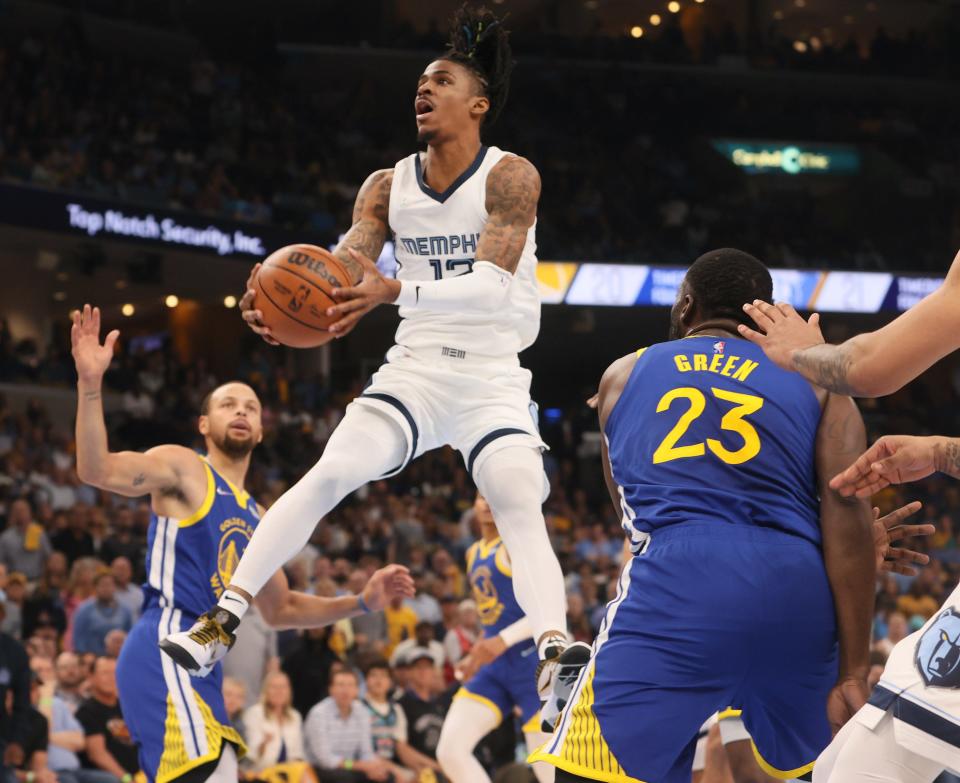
532,726
640,352
729,713
584,751
502,560
463,693
484,548
241,495
207,504
472,554
779,773
175,762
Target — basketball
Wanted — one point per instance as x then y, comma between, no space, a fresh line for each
293,293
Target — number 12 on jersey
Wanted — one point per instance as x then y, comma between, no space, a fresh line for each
733,420
456,266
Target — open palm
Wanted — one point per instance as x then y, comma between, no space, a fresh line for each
92,358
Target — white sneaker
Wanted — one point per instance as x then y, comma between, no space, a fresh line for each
200,648
556,676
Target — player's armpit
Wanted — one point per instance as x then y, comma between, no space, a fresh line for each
513,190
371,223
611,386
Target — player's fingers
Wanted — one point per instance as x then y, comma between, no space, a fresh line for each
760,318
346,307
111,340
876,513
252,279
902,568
360,258
904,555
594,401
246,301
95,321
787,309
345,325
268,339
85,315
753,336
769,310
894,518
346,293
857,471
910,531
814,320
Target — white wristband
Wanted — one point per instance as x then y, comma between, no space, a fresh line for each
516,632
408,294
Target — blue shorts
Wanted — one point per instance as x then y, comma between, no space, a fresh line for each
509,681
710,616
178,722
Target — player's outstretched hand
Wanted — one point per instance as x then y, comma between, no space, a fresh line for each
482,653
782,331
893,459
845,699
254,318
357,300
92,358
388,583
594,401
887,530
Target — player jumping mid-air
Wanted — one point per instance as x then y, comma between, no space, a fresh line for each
463,218
747,571
201,522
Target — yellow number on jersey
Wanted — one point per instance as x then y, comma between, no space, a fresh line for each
733,421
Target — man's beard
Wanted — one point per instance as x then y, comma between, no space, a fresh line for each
233,447
675,330
426,136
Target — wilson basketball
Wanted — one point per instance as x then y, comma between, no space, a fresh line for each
293,293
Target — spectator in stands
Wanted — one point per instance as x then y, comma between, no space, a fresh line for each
79,588
425,701
254,655
309,667
99,615
65,738
45,605
917,601
14,704
401,623
274,728
33,767
23,545
388,726
70,680
107,743
16,597
897,629
75,540
235,702
426,607
338,737
125,541
461,637
424,637
113,642
127,593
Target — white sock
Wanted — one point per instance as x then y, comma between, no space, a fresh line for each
234,603
511,480
363,447
552,640
467,723
542,771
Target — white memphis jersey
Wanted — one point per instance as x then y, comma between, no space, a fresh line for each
436,236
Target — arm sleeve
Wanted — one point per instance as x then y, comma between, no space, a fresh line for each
481,291
516,632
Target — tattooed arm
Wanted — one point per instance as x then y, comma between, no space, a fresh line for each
370,222
868,365
898,459
172,474
513,190
848,552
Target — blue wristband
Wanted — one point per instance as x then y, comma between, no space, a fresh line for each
361,604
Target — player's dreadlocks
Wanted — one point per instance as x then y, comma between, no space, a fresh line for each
479,42
723,281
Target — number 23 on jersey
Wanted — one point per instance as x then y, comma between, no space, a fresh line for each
734,420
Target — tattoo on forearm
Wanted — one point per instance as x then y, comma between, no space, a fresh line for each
370,222
513,190
948,458
91,396
827,366
140,479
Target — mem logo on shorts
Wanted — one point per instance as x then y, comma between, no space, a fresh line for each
938,652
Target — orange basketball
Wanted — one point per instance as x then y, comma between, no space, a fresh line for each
293,293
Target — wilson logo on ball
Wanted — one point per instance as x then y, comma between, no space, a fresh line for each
315,266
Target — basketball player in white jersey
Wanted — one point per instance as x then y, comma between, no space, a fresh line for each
463,216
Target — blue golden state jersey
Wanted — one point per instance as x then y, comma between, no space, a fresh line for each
190,561
709,429
491,580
